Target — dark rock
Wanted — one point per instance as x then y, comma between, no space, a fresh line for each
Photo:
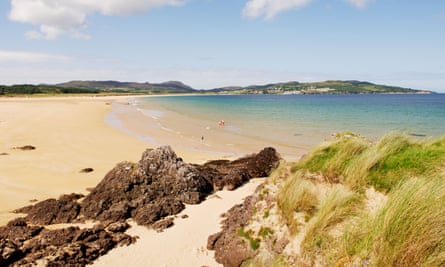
230,248
118,227
50,211
19,231
156,187
9,252
150,213
150,192
211,240
159,174
70,246
17,222
4,154
86,170
27,147
232,174
159,226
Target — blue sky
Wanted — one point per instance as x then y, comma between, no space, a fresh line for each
213,43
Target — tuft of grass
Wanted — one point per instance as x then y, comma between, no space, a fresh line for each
280,261
331,160
279,173
402,156
253,242
265,232
338,205
410,229
262,261
393,159
296,195
356,240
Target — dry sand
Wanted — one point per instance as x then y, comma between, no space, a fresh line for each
70,134
185,243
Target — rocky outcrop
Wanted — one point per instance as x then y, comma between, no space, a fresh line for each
232,174
21,244
230,244
52,211
161,183
152,189
149,192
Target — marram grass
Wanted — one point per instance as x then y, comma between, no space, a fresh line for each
338,205
408,229
297,195
359,163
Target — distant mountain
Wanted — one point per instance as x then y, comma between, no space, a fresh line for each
130,87
176,87
327,87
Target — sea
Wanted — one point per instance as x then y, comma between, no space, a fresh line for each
302,121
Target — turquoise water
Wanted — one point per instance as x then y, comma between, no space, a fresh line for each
292,120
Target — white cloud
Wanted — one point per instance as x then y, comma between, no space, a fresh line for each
270,8
70,16
359,3
30,57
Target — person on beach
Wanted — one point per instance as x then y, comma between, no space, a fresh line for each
221,123
202,138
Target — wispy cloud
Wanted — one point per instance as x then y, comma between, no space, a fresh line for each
55,18
270,8
359,3
31,57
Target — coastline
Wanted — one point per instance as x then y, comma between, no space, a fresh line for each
72,133
196,135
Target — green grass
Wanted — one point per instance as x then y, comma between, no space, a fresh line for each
338,205
254,243
407,230
410,230
402,157
358,163
332,159
296,195
265,232
260,261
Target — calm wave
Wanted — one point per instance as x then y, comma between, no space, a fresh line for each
303,120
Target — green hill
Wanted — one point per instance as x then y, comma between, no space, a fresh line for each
176,87
171,87
29,89
326,87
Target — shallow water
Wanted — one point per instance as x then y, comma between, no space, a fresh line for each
299,121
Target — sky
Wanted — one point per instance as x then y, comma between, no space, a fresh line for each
214,43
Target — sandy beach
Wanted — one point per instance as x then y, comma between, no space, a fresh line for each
69,134
199,134
72,133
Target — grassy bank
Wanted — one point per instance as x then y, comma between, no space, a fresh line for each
355,202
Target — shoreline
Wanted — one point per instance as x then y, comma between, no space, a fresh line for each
158,125
70,134
73,133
